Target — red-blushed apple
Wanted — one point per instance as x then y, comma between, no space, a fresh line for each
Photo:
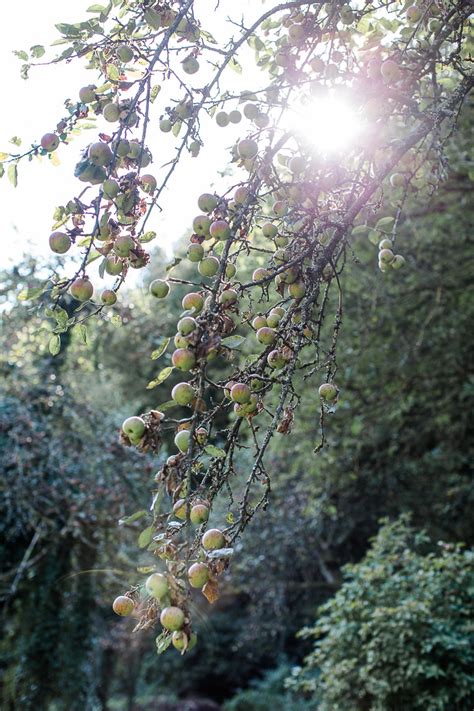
228,297
182,439
240,392
108,297
198,575
195,252
172,618
59,242
183,359
207,202
81,289
220,230
266,335
148,183
192,301
156,585
124,53
201,225
49,142
199,514
183,394
123,606
259,322
222,119
180,508
208,267
328,392
159,288
247,148
190,65
213,539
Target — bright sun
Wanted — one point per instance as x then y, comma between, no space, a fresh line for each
330,123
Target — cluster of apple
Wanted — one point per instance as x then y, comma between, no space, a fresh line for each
102,163
164,594
387,259
207,313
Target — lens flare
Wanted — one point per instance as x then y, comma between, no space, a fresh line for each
329,123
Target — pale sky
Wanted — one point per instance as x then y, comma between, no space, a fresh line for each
33,107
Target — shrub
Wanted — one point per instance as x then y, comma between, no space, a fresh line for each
397,633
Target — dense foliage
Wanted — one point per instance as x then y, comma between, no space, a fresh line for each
398,634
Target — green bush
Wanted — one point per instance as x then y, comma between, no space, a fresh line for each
268,693
398,634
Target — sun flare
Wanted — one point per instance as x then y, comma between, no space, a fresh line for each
329,123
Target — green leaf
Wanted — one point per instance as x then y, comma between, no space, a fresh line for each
174,263
176,128
37,51
113,72
30,294
68,30
233,341
12,173
154,92
166,405
163,641
21,54
60,315
97,8
2,170
214,451
82,332
384,222
359,230
147,237
145,536
133,517
54,344
165,373
159,351
255,43
234,64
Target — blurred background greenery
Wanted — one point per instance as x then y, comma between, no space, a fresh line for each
390,631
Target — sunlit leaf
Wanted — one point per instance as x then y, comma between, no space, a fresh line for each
165,373
12,173
159,351
233,341
133,517
213,451
54,344
163,641
145,536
